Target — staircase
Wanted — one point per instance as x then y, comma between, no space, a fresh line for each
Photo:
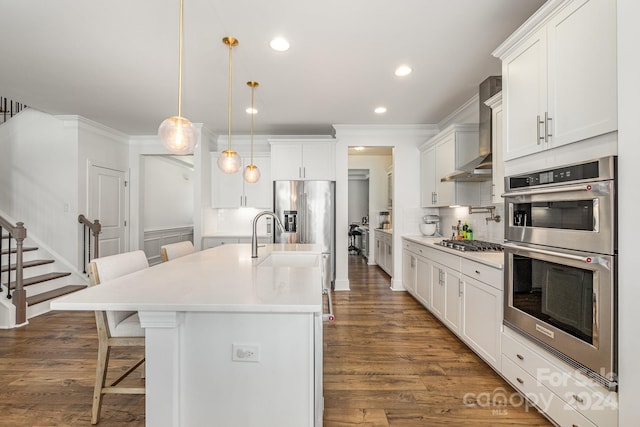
42,279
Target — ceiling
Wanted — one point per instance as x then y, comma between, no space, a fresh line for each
116,62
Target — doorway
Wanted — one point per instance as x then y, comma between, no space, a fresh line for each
372,165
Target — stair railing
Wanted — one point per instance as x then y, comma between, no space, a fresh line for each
9,108
18,233
88,229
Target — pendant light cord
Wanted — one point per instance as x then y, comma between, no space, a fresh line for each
180,64
230,88
253,113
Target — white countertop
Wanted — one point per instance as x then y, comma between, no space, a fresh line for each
384,230
221,279
492,259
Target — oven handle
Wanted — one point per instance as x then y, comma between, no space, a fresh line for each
599,187
595,259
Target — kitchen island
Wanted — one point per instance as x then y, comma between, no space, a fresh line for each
229,340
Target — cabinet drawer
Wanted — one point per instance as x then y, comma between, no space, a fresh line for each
446,259
524,357
577,391
547,401
415,248
482,272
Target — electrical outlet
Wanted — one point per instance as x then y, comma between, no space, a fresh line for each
245,352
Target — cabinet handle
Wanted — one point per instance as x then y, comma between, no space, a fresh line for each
538,123
519,356
241,201
304,171
459,288
519,380
578,398
547,119
477,272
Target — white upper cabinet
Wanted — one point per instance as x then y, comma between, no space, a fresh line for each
441,156
310,160
232,191
559,76
497,143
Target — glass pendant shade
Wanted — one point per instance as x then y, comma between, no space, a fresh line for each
251,174
229,161
177,135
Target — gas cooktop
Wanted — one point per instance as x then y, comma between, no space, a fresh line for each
471,245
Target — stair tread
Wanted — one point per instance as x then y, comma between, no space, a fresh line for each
39,279
27,264
46,296
24,249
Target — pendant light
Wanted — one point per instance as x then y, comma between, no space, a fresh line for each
176,132
251,172
229,160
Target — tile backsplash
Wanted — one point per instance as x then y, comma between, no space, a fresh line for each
482,229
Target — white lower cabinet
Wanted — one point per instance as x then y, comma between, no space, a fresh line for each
563,393
409,271
384,251
482,314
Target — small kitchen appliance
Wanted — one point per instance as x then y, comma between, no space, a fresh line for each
430,225
384,220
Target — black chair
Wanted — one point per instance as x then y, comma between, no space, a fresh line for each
353,233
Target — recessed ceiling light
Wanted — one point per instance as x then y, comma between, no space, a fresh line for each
380,110
251,110
280,44
403,70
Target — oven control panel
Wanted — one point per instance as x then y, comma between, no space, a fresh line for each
563,174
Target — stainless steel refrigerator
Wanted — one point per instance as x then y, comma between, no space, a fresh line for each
307,210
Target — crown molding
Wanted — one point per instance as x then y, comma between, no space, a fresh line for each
531,25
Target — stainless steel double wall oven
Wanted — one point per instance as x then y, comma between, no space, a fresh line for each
560,263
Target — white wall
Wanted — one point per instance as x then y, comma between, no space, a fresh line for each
358,200
406,168
628,207
168,195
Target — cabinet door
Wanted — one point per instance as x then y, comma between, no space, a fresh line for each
482,319
409,269
423,281
438,290
445,164
226,189
497,142
318,161
389,255
259,194
453,301
582,71
286,162
525,96
428,178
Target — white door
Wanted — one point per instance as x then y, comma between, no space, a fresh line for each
107,204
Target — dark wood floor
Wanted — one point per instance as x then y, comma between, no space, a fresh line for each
387,362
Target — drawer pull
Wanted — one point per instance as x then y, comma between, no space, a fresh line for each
477,272
578,398
519,380
519,356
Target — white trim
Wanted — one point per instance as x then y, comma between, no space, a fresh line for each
531,25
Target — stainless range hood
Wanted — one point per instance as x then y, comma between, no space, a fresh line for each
479,169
